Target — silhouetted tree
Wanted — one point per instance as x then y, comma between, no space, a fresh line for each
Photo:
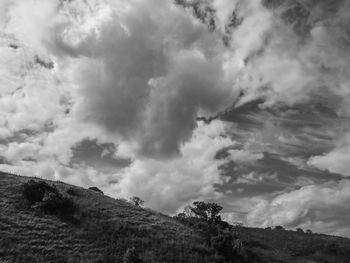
137,201
207,211
279,228
299,230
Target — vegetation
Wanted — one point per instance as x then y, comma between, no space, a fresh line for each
94,188
103,229
221,238
47,198
207,211
137,201
299,230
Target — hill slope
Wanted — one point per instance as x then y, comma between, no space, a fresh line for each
104,228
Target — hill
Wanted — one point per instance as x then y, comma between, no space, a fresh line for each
91,227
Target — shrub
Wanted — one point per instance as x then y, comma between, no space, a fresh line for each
34,191
308,231
223,244
279,228
94,188
57,204
137,201
207,211
48,199
300,230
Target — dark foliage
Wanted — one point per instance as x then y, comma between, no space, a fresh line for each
279,228
299,230
220,236
207,211
224,244
94,188
137,201
131,256
48,199
57,204
34,191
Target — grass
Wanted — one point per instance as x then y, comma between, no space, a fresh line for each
106,228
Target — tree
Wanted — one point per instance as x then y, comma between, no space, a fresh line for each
137,201
207,211
300,230
308,231
279,228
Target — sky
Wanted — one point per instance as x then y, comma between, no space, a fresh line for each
240,102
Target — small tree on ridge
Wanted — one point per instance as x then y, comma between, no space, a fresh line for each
137,201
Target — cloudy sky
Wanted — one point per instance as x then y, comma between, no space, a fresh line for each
241,102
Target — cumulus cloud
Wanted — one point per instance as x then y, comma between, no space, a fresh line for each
117,76
141,80
285,67
136,74
335,161
319,207
244,156
169,184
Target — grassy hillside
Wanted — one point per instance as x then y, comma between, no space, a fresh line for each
102,229
106,229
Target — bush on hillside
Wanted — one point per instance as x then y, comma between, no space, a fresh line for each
34,191
224,245
137,201
57,204
94,188
48,199
207,211
300,230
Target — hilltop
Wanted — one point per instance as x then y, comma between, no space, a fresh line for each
102,229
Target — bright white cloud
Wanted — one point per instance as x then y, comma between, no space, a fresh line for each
169,184
337,160
319,207
244,156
